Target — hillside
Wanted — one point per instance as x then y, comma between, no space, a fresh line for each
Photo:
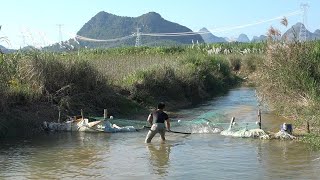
294,32
261,38
5,50
317,32
208,37
108,26
243,38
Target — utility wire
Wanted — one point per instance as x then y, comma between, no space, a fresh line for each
103,40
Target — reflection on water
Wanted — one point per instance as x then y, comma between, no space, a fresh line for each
195,156
51,156
159,158
289,159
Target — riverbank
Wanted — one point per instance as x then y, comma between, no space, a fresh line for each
288,81
37,85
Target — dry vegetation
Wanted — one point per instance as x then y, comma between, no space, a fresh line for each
127,81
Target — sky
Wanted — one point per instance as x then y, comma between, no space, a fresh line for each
37,22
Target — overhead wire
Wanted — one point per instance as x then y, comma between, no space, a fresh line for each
258,22
103,40
223,29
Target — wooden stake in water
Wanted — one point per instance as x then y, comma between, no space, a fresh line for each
81,113
231,122
105,113
59,116
308,127
259,117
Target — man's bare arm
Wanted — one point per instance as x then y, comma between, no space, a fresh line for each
150,119
168,124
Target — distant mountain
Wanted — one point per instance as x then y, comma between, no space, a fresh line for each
317,33
259,39
243,38
5,50
71,44
208,37
294,32
108,26
230,39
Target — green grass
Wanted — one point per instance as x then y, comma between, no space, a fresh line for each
288,80
313,140
126,81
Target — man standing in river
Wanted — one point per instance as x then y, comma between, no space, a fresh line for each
156,120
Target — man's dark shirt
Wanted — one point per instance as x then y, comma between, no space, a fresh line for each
159,116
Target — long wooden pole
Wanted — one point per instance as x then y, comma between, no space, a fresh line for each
231,122
81,113
308,126
59,116
259,116
105,113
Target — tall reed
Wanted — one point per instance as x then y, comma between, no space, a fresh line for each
290,78
38,84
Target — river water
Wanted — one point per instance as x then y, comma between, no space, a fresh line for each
201,155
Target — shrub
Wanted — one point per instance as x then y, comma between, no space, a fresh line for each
235,62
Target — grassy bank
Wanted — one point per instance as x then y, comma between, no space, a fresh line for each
36,85
288,81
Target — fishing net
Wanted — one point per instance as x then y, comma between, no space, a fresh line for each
284,136
210,122
245,133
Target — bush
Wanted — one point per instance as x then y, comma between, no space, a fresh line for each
120,79
235,62
290,79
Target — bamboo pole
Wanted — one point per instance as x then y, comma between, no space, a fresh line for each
259,117
105,113
231,122
82,114
308,126
59,116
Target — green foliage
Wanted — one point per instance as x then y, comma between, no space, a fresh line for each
124,80
290,79
238,46
195,76
251,62
313,140
235,62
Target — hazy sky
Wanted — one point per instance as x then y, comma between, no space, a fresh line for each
35,22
